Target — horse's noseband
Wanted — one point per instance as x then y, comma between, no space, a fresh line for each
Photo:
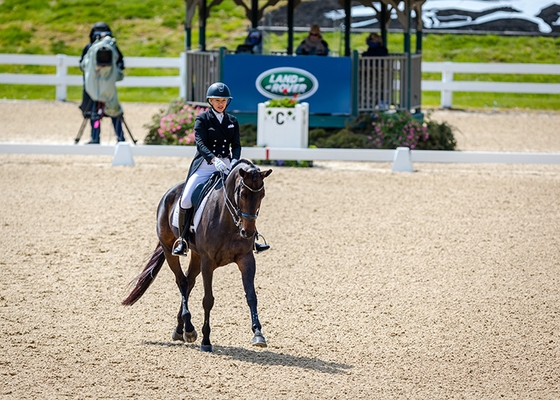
250,217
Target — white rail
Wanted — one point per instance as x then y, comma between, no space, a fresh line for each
123,154
446,86
62,80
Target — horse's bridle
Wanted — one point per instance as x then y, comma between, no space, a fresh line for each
236,214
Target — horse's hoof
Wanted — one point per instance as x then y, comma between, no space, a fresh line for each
207,348
177,336
190,337
259,341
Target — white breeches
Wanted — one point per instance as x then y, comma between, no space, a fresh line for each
200,175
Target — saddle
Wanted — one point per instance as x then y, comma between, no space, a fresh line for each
203,188
201,191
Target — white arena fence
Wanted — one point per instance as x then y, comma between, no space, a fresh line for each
62,80
446,86
401,158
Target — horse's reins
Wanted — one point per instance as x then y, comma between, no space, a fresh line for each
235,211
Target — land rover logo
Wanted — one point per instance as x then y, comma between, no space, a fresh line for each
287,82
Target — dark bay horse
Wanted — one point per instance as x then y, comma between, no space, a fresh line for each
225,234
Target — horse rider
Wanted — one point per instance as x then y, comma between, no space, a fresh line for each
218,147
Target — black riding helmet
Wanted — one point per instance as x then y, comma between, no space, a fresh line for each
218,90
98,30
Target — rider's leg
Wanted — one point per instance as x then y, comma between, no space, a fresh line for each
185,217
186,207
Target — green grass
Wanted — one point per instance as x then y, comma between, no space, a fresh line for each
493,101
155,29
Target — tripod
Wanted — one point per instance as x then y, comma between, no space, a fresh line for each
87,118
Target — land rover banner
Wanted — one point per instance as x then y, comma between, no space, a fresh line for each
323,82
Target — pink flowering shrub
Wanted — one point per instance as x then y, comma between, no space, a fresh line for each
386,131
389,131
174,126
392,130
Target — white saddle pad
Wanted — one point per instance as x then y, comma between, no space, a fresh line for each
197,215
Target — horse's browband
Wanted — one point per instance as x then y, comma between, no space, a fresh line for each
251,189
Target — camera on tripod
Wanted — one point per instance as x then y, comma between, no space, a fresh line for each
102,66
104,56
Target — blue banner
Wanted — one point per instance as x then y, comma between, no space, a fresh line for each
323,82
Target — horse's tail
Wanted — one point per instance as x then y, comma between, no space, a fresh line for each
146,277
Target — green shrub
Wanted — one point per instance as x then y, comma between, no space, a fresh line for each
321,133
285,163
345,139
440,137
387,131
390,130
248,135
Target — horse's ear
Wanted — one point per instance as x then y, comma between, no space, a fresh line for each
264,174
242,172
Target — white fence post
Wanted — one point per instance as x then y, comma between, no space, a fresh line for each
61,72
183,75
402,161
446,95
123,155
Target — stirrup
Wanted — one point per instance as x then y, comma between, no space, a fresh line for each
176,244
259,248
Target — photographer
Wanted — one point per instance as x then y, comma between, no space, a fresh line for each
99,97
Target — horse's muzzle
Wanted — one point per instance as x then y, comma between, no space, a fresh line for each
245,234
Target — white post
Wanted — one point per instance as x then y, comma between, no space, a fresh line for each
61,73
447,95
183,75
402,161
123,155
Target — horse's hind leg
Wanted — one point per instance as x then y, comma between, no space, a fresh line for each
185,330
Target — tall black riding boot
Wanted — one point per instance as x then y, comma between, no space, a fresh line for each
185,216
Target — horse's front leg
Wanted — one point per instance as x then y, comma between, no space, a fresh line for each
247,266
207,269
